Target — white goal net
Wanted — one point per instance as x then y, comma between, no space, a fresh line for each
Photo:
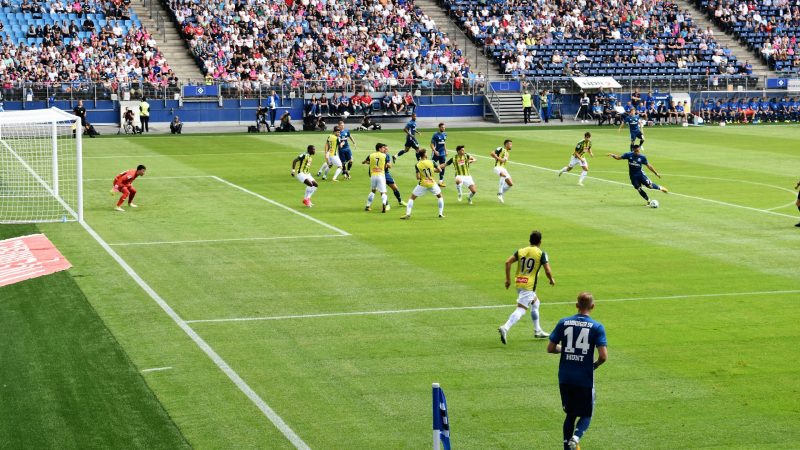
40,167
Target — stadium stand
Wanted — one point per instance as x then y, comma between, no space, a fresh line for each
68,48
768,28
651,38
372,45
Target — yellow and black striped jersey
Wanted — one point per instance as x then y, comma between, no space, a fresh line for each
501,153
333,145
582,147
304,160
461,163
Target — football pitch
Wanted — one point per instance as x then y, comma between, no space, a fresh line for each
222,313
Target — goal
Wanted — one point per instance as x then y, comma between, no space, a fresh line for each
40,167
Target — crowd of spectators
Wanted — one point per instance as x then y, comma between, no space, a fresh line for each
319,45
573,38
116,9
769,27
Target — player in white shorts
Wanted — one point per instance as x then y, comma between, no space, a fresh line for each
376,162
301,169
500,156
462,161
331,156
578,158
425,170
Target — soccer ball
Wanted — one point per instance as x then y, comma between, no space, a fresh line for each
653,203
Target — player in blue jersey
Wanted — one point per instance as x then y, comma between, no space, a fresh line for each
411,138
345,152
575,338
631,118
797,203
439,151
390,180
638,179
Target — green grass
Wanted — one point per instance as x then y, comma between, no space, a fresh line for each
695,370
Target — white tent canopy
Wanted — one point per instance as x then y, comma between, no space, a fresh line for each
596,82
36,116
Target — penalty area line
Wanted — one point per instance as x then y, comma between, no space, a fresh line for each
212,241
156,369
237,380
281,205
464,308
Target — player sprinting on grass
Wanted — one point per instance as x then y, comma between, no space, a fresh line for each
631,118
376,162
439,151
461,162
578,158
425,170
500,156
529,261
345,153
331,156
123,183
638,179
797,203
301,169
575,338
411,138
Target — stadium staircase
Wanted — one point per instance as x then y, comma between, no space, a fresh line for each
478,61
155,17
742,53
506,107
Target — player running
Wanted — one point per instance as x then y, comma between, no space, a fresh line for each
461,162
123,183
529,261
797,203
584,146
500,156
576,338
331,156
632,119
425,170
411,138
638,179
303,173
439,151
390,180
377,176
345,153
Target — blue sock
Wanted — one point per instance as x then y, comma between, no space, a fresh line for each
569,428
583,425
655,186
644,196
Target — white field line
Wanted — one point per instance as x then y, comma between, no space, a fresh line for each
205,241
281,205
462,308
213,355
732,205
191,154
782,206
156,369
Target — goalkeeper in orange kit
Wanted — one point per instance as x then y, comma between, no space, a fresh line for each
123,183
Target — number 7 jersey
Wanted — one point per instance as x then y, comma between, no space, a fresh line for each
529,261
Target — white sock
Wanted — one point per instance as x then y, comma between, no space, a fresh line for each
583,175
535,316
324,167
564,169
471,194
409,205
500,187
384,198
338,171
441,206
513,318
325,172
310,191
458,188
505,188
370,198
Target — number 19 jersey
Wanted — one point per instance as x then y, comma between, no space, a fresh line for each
529,261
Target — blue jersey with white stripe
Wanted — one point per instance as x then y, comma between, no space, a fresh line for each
439,141
344,136
635,163
578,335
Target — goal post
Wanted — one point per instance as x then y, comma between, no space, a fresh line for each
41,168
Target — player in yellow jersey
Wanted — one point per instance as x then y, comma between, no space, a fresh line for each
529,260
500,156
578,158
377,176
301,169
331,156
425,170
461,161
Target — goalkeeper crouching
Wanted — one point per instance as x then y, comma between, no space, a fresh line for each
123,183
